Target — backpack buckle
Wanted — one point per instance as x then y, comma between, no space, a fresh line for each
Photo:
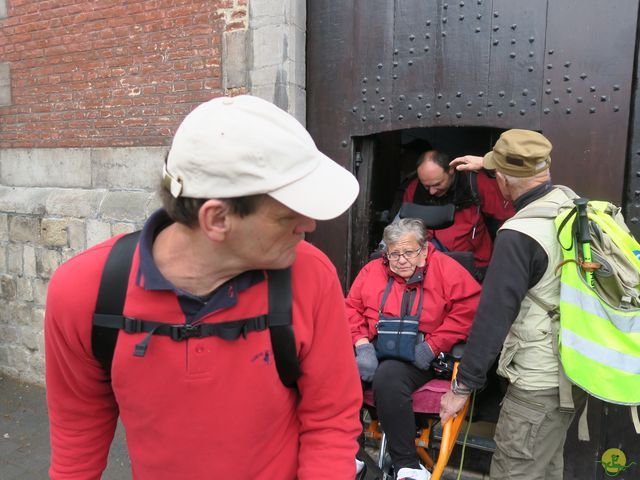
183,332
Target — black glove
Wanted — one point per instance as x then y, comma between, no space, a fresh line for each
367,361
423,356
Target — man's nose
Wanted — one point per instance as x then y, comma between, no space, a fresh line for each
433,190
305,225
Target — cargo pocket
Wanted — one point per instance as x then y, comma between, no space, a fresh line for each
518,428
505,361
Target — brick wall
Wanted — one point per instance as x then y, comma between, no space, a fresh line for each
106,73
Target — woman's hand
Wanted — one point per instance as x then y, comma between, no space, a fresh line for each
367,361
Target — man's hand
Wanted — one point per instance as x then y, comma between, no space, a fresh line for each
468,162
450,405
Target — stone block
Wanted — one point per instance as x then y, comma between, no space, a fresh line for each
120,228
23,228
3,8
15,260
23,200
124,206
3,259
39,286
46,167
8,288
234,59
296,13
53,232
77,234
47,261
97,232
29,261
10,334
24,291
4,227
267,12
153,203
268,46
29,338
5,79
79,203
124,168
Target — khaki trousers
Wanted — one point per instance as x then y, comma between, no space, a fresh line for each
530,434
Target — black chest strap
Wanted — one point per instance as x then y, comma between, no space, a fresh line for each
108,318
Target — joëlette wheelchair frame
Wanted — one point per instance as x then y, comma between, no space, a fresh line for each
428,418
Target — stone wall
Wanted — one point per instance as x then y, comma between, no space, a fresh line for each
91,101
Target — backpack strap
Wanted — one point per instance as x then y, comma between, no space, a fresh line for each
108,318
111,296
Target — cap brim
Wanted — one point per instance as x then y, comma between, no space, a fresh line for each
324,193
488,162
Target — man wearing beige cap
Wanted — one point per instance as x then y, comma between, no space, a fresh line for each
221,284
519,291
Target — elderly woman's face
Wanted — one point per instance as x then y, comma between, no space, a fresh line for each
406,255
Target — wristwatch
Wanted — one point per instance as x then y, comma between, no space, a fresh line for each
457,389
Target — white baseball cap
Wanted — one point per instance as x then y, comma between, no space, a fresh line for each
237,146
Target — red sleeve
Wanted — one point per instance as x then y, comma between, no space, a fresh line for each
82,409
355,306
330,389
462,293
410,191
492,202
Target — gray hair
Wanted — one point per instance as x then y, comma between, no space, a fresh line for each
395,231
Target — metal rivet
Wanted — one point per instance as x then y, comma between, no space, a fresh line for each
495,42
513,27
412,37
377,89
616,108
427,36
419,96
461,17
501,93
550,52
344,143
479,16
458,94
566,78
495,14
354,109
548,91
428,23
489,104
444,34
512,54
364,80
377,78
500,113
603,98
568,110
556,100
438,114
634,220
567,64
637,193
373,108
462,4
426,48
364,90
616,88
548,80
496,28
479,2
530,68
469,103
479,114
401,98
400,117
411,50
390,107
549,66
533,101
592,110
531,54
364,100
395,76
579,99
592,88
428,105
447,105
583,76
546,111
363,118
525,92
478,29
395,51
522,112
480,93
381,117
532,39
444,19
419,115
382,99
409,107
569,90
410,62
439,95
395,64
445,6
512,103
379,65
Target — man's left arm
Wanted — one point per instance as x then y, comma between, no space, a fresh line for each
330,389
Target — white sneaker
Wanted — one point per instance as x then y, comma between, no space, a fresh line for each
414,474
359,466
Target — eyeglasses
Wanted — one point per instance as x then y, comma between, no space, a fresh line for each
408,255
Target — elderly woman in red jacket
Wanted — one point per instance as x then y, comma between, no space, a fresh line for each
404,309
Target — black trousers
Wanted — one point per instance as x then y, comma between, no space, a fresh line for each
393,384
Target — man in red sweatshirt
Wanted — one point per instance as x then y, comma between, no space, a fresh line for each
242,184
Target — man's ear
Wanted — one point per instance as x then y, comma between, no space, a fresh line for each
214,219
